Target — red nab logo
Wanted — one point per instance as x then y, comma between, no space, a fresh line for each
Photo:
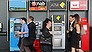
33,3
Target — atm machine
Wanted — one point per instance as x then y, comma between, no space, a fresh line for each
15,26
58,30
38,28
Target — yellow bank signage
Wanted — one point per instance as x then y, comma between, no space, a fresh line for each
58,17
58,5
62,5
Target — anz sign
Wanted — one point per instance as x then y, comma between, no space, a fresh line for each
58,5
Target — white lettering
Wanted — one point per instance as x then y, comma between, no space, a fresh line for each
40,3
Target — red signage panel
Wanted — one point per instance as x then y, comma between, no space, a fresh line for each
37,5
79,5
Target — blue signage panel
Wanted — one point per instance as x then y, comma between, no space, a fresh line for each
17,5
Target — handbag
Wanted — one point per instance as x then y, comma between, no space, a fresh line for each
44,40
83,31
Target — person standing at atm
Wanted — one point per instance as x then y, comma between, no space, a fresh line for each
47,34
32,34
77,27
71,23
75,35
72,37
24,35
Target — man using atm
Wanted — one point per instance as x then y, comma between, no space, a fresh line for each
24,35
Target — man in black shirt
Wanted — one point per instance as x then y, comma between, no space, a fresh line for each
32,29
68,37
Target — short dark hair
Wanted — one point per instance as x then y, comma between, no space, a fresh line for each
71,16
24,19
31,17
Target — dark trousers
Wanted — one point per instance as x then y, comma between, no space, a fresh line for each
68,44
46,48
31,46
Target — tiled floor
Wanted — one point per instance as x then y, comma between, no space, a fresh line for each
17,51
2,50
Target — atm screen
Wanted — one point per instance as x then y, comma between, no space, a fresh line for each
57,28
17,24
17,27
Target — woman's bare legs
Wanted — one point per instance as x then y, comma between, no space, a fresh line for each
73,49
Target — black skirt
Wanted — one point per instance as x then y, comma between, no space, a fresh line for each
26,41
74,39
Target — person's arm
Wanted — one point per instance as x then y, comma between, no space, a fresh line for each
46,34
26,30
71,29
78,28
22,32
50,32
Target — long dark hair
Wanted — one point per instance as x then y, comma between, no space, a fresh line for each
77,19
45,23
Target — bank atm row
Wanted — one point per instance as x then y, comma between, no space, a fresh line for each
58,29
